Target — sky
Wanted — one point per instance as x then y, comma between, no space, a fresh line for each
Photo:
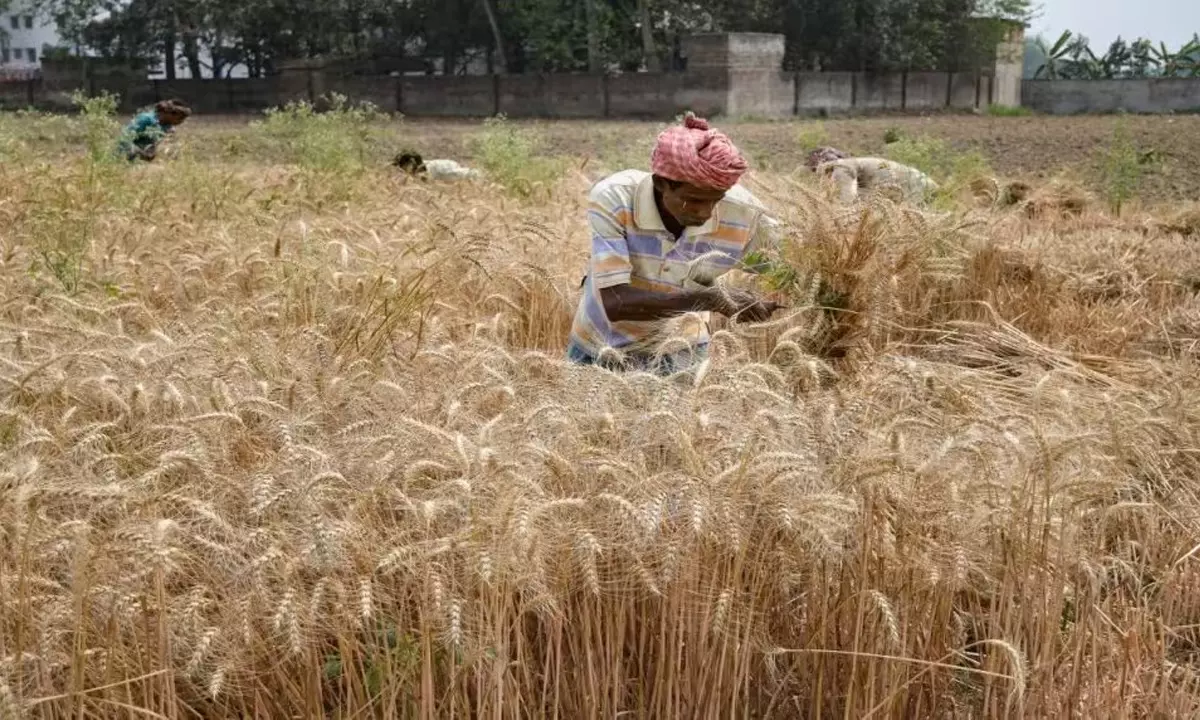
1170,21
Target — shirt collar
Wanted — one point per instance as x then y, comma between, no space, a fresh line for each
646,216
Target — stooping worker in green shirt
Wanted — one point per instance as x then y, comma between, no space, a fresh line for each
659,243
140,138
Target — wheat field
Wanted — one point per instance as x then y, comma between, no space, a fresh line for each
283,435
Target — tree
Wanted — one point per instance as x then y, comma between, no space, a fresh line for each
1183,63
212,36
1054,57
497,37
1071,58
1142,61
646,31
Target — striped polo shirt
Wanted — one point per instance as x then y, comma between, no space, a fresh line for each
631,245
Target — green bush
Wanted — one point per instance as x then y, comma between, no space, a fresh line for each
812,135
510,155
1121,167
951,169
339,139
100,127
1008,111
64,221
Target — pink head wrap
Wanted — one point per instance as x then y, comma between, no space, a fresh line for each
696,154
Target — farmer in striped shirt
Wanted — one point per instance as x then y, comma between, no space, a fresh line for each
659,243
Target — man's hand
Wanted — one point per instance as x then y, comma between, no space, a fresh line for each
741,305
623,302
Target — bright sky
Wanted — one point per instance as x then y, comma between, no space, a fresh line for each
1169,21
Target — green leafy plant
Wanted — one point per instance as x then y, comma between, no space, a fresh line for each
892,135
63,223
98,116
511,156
337,139
390,657
1121,167
1008,111
812,135
952,169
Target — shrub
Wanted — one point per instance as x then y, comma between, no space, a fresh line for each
953,170
64,221
1121,168
337,139
812,135
98,116
510,156
1008,111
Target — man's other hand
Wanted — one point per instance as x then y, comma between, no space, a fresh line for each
741,305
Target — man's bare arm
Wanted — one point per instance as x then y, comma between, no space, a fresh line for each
625,302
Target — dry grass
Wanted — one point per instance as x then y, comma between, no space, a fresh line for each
301,444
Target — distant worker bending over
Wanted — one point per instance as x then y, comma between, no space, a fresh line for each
411,162
141,137
659,243
860,176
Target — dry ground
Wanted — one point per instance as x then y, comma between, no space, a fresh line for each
1027,148
1031,148
285,436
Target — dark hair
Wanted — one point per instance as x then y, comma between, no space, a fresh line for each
409,161
173,107
823,155
672,184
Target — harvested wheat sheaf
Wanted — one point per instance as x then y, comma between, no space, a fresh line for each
304,444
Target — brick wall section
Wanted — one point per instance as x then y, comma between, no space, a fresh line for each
926,90
831,92
706,51
381,91
963,90
1148,95
879,92
657,95
553,95
728,75
468,96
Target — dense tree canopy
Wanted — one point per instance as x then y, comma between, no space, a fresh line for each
211,36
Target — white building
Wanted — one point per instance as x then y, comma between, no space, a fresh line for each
23,34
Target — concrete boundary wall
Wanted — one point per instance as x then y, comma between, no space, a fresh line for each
1143,95
763,93
728,74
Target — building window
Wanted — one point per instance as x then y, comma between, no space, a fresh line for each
28,22
15,22
4,56
31,53
16,53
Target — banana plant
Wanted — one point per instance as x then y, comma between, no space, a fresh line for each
1056,58
1183,63
1188,58
1083,63
1113,63
1142,62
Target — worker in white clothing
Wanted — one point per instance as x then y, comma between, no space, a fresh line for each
411,162
859,176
